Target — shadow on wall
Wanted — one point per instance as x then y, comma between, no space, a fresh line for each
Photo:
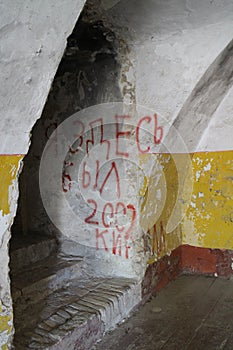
87,75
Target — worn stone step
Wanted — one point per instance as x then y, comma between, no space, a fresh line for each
29,249
77,316
40,279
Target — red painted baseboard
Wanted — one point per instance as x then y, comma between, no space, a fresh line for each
161,272
206,260
189,259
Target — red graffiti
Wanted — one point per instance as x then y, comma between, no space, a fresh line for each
100,234
78,137
112,174
99,124
148,120
158,239
114,170
111,214
110,234
157,132
117,242
86,177
66,182
120,134
97,174
124,209
89,220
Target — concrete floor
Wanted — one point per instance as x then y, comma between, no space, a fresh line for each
193,312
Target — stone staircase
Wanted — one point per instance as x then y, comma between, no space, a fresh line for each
57,305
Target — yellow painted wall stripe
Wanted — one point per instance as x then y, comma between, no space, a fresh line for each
209,216
209,219
8,170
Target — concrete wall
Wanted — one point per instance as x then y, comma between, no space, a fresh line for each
33,38
175,61
183,71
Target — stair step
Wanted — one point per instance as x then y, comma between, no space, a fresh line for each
77,316
43,277
30,249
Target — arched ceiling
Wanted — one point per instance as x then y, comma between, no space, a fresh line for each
183,65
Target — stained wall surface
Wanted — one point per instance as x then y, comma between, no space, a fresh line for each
33,38
176,60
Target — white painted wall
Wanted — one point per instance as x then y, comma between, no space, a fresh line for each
32,41
174,43
33,38
218,135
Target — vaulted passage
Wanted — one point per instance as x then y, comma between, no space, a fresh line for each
87,75
116,133
54,292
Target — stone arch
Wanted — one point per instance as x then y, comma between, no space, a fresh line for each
208,94
163,41
88,74
27,73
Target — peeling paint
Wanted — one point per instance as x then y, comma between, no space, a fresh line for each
158,202
143,190
209,217
6,326
208,221
8,171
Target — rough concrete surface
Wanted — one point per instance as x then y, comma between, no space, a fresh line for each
163,49
192,313
176,44
74,317
57,305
